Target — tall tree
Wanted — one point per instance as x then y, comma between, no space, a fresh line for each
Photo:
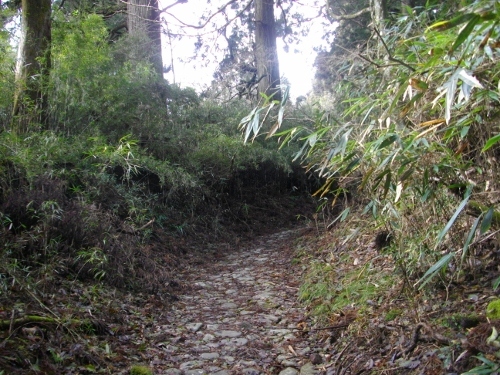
266,53
238,28
33,63
144,20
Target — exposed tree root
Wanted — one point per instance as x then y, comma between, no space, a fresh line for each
417,336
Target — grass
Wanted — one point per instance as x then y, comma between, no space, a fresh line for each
326,292
392,314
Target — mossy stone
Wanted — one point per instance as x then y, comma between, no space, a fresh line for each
493,309
140,370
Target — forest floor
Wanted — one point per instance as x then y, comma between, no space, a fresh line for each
235,310
230,312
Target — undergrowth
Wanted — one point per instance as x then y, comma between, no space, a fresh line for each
411,145
128,168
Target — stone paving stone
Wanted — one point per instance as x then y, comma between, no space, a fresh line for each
228,333
197,371
308,369
229,305
251,371
172,371
209,355
208,337
195,327
289,371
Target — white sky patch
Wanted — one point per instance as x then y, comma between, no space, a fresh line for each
297,65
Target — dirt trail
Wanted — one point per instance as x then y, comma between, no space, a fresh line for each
240,316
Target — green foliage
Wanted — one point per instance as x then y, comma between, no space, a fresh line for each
392,314
487,368
223,156
95,258
407,130
81,63
140,370
491,142
327,292
493,309
91,81
126,160
7,61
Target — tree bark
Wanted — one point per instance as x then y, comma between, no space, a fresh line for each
266,52
144,18
379,13
33,64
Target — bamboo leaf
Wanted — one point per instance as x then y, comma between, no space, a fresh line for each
254,127
468,79
464,34
343,215
491,142
486,223
286,92
445,25
388,141
246,122
399,190
280,115
452,221
273,130
449,88
432,122
387,184
496,283
352,165
366,114
312,139
368,207
488,368
402,88
379,178
343,142
408,106
366,178
300,152
470,237
435,269
407,174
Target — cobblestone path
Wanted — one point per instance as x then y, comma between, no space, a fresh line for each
241,316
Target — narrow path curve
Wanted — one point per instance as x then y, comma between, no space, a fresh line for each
241,316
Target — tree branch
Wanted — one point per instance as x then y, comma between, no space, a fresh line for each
351,16
391,58
173,4
221,9
376,64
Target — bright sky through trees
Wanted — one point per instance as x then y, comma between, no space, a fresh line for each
296,65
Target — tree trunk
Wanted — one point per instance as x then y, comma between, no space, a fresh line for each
266,53
379,13
33,65
144,18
